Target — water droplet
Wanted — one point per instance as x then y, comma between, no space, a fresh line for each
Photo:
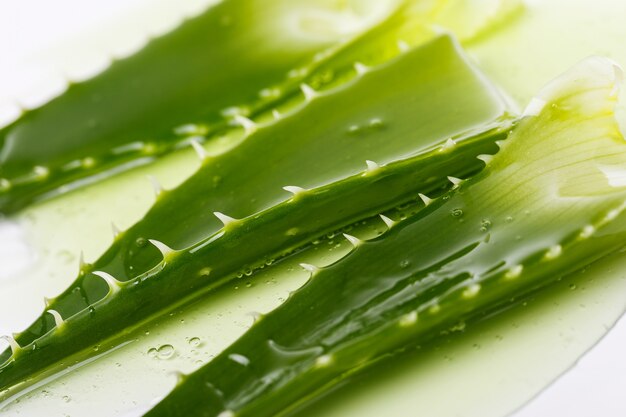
485,225
67,398
141,242
195,341
292,232
572,287
457,213
405,263
165,351
162,352
96,348
509,219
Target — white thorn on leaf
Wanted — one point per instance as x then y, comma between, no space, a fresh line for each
293,189
47,302
426,200
360,68
248,125
162,247
499,143
309,93
450,143
390,223
372,166
15,347
514,272
81,261
309,268
471,290
200,151
256,316
454,180
226,220
612,215
179,375
156,185
485,158
114,285
587,231
408,319
554,252
534,107
58,320
116,230
276,114
353,240
226,413
323,361
434,308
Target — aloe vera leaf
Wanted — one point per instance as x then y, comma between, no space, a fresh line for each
551,201
351,199
234,249
144,107
392,113
188,82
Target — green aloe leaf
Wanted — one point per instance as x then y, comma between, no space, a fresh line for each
238,58
550,202
388,110
199,82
